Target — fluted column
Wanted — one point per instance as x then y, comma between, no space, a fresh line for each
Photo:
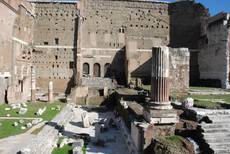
160,79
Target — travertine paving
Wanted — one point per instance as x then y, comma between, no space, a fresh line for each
114,141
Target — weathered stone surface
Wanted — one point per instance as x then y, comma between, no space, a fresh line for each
22,111
85,120
97,82
161,116
77,147
160,79
188,103
46,139
213,57
50,92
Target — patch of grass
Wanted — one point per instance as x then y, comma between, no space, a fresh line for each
66,149
174,138
32,109
171,141
7,128
202,88
84,149
126,91
211,101
170,144
146,87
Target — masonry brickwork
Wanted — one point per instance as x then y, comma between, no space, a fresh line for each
214,55
69,43
15,50
54,54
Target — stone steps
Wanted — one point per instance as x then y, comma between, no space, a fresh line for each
221,151
219,117
217,133
223,146
216,125
216,130
217,140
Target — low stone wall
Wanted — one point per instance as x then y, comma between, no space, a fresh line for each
127,136
45,141
179,69
97,82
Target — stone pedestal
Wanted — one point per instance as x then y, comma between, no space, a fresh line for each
33,84
159,109
50,92
154,116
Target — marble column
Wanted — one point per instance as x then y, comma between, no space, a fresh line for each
50,92
160,79
33,84
159,111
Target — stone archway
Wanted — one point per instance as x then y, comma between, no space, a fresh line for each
107,70
86,69
96,70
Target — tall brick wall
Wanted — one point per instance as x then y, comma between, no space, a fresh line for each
55,33
108,25
15,39
214,56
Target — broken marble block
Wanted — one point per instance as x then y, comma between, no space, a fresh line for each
15,106
85,120
15,124
23,127
77,146
22,110
188,103
21,121
24,105
7,109
36,121
28,125
41,111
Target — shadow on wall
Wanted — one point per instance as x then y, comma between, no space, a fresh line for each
117,67
186,20
72,81
143,72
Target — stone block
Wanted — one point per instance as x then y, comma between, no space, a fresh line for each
188,103
85,120
161,116
22,111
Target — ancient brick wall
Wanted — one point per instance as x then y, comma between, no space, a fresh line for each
15,38
108,25
179,69
213,57
55,45
7,17
186,23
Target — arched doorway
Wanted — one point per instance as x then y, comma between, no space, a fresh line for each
86,69
107,70
96,70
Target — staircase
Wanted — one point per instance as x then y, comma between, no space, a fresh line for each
217,133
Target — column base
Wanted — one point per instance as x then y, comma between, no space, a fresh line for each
161,116
160,105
